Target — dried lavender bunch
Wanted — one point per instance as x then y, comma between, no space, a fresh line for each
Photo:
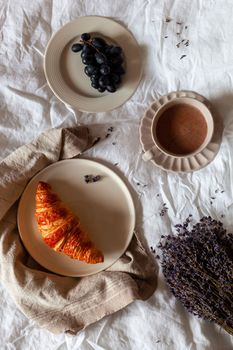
198,266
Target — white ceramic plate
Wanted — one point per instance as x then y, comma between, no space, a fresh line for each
180,164
64,69
105,208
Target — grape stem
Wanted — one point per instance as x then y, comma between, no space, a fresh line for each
90,44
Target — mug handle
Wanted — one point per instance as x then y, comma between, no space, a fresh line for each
148,155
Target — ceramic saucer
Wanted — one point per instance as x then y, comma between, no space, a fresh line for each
64,69
105,209
179,164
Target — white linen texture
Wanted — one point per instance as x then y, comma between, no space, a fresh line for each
28,108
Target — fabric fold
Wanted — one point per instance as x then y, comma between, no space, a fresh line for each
59,303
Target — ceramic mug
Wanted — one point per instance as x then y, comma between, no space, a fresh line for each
202,108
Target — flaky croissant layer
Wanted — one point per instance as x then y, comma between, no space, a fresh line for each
61,229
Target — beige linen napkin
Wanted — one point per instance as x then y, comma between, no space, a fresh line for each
58,303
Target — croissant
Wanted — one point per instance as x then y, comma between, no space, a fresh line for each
61,229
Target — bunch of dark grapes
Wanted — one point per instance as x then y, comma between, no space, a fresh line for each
198,267
103,62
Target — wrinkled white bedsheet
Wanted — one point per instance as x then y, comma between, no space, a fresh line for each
28,107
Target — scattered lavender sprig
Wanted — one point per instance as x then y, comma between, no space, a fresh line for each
164,209
91,178
198,267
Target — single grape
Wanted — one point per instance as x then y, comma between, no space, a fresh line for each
85,36
95,84
87,71
104,80
104,69
92,69
101,81
116,60
107,49
111,88
101,89
88,60
100,58
95,76
84,54
116,50
115,78
98,42
88,49
76,47
95,81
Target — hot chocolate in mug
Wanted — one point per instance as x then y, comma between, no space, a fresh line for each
182,127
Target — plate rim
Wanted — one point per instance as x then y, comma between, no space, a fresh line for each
132,221
87,109
217,134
